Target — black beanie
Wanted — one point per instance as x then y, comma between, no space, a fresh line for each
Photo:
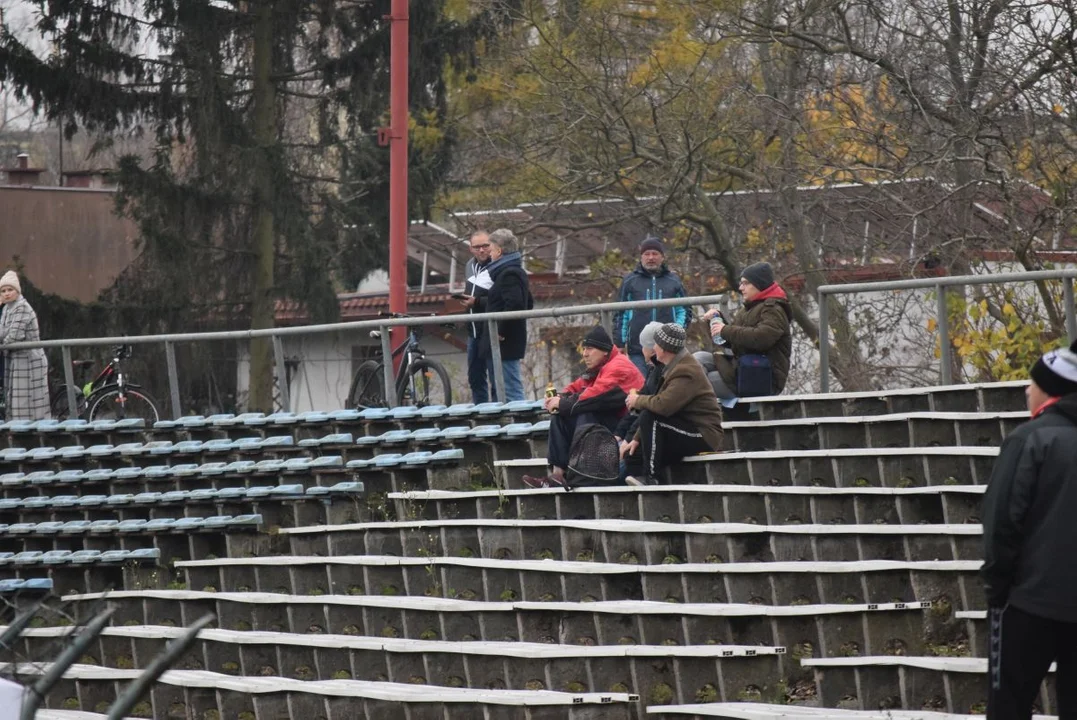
1056,372
598,338
760,274
652,243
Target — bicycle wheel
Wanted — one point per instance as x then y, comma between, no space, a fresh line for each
58,403
367,388
108,405
427,383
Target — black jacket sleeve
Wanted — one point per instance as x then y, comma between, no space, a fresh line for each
1009,495
610,401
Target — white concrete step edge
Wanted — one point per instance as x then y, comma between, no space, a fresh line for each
393,692
753,711
720,489
649,526
933,451
887,418
881,394
434,604
941,664
597,568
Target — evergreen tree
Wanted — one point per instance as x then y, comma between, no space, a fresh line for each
267,180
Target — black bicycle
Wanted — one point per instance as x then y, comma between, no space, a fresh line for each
421,382
108,396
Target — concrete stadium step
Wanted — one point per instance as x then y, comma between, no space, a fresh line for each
765,583
703,503
950,684
919,429
510,665
649,542
867,467
201,694
806,630
975,397
759,711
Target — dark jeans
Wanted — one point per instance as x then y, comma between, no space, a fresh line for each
562,429
479,371
1021,647
662,442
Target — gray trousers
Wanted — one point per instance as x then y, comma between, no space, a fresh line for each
706,359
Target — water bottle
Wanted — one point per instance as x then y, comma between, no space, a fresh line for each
551,391
716,336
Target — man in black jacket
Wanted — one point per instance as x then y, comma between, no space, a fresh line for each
1030,535
477,289
510,291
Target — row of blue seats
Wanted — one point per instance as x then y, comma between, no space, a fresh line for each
78,557
317,417
412,459
184,524
205,495
73,426
160,447
168,472
454,434
14,585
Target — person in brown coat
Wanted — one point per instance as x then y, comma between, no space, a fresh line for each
761,327
681,418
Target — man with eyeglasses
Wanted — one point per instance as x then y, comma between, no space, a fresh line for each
480,375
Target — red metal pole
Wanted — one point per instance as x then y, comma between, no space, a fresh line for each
398,166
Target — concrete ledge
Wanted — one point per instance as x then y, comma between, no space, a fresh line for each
959,450
395,692
940,664
717,489
753,711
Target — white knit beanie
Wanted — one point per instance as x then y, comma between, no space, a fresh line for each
10,279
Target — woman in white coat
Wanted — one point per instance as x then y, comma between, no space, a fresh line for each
26,383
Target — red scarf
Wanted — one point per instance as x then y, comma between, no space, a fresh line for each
774,291
1046,404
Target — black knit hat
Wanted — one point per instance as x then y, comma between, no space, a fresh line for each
598,338
1056,372
652,243
760,274
670,337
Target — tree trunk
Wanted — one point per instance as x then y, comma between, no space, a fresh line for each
262,306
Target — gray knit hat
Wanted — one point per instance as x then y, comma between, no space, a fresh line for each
670,337
646,335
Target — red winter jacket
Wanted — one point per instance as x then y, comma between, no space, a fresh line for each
603,390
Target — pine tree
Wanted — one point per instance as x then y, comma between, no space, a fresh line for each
267,180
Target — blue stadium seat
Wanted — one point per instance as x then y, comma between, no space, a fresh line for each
217,445
388,460
103,526
12,479
98,475
76,527
247,444
188,524
119,499
234,493
28,557
10,503
40,454
240,467
14,585
517,429
146,498
334,439
313,417
445,457
185,470
130,449
174,496
36,503
187,447
250,418
157,472
277,442
6,557
72,452
202,495
359,464
524,406
268,466
213,468
65,501
426,435
41,477
456,432
385,437
404,412
84,557
300,464
100,450
278,491
74,425
133,525
159,525
344,415
433,412
282,418
370,414
159,447
417,458
486,431
127,473
20,528
460,409
490,408
65,477
56,557
12,454
92,500
48,528
326,462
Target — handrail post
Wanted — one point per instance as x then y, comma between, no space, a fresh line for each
1071,314
943,324
606,318
173,380
824,344
389,379
69,379
282,374
495,358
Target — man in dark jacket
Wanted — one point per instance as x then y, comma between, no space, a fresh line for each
1030,535
477,288
682,418
651,280
510,291
597,396
761,327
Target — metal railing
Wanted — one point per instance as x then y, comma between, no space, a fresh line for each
604,310
943,322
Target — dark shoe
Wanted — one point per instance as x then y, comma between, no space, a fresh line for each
549,481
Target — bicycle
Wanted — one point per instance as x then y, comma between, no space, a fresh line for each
421,382
108,396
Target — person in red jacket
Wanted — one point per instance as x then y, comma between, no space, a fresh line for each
597,396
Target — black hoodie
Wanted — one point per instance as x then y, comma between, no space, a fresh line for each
1030,517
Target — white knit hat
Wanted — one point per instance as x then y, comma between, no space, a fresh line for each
10,279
